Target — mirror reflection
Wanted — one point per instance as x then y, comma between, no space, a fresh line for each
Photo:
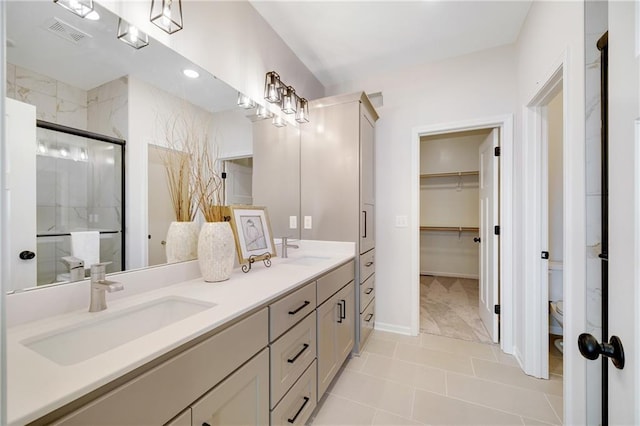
77,74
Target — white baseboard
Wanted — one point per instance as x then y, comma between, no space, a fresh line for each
393,328
450,274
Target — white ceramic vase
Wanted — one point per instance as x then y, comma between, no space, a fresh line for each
216,250
182,242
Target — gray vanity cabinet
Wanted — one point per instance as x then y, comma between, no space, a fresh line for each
336,319
337,169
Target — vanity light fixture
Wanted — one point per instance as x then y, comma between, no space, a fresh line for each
302,111
80,7
277,92
289,100
263,112
167,15
245,102
272,87
131,35
42,148
278,121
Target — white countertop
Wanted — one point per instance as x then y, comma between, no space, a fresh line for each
37,386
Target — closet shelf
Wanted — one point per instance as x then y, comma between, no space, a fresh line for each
450,228
450,174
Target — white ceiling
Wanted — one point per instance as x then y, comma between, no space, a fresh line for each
100,57
340,41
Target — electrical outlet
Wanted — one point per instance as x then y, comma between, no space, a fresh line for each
402,221
293,222
307,222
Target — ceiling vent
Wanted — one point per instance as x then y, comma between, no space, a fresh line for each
66,31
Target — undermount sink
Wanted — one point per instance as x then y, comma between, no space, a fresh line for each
78,343
305,260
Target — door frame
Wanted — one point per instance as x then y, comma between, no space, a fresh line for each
504,124
534,355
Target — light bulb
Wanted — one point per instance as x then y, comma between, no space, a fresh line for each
133,34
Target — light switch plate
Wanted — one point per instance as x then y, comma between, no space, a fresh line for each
402,221
307,222
293,222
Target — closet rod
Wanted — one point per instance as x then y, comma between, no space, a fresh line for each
428,175
450,228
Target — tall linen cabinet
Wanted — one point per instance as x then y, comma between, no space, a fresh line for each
337,189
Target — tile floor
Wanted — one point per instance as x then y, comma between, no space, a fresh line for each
436,380
449,307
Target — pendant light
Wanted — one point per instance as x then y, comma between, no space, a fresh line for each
289,100
80,7
167,15
131,35
278,121
272,87
263,112
245,102
302,110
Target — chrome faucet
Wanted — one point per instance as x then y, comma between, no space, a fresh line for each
285,246
99,286
76,268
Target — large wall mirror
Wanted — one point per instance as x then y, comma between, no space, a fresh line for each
103,111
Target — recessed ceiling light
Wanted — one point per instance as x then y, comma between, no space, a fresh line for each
93,16
191,73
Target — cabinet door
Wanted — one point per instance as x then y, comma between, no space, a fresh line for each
367,226
345,329
327,320
367,161
242,399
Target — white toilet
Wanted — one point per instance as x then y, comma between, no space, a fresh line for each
557,312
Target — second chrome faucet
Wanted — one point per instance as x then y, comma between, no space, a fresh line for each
100,286
285,246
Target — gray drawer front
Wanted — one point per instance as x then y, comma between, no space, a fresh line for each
286,312
298,404
367,292
334,281
367,265
367,322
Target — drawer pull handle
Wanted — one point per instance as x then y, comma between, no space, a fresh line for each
304,348
205,424
340,312
369,290
304,404
368,318
298,309
369,263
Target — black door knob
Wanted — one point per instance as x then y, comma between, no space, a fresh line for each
26,255
476,239
590,348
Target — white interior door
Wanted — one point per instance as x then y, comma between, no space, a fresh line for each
239,182
489,242
624,208
21,141
160,210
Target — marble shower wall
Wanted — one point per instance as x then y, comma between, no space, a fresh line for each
596,23
75,195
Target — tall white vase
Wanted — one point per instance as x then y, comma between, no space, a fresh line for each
182,242
216,250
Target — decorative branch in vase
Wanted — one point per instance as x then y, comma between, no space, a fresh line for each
181,139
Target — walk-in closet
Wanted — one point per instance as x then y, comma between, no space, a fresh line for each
449,235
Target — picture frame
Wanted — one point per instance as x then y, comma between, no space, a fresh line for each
252,231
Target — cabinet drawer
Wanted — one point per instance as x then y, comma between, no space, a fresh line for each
367,322
334,281
298,404
286,312
367,292
291,355
156,396
367,264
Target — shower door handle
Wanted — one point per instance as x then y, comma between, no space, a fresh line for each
476,239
